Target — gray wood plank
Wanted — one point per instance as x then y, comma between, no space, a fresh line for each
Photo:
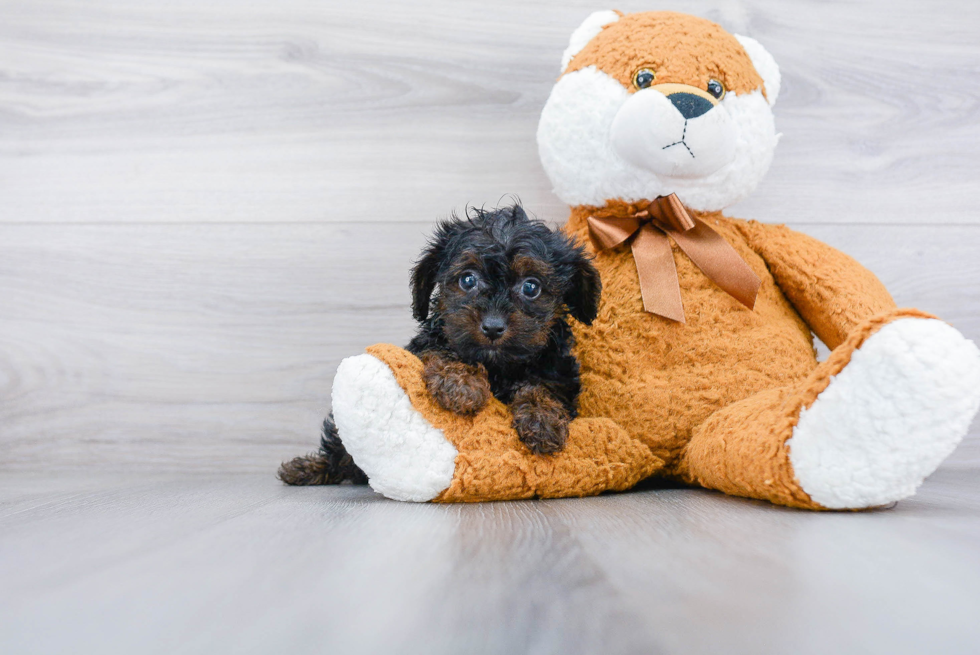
213,347
204,207
242,564
377,111
212,337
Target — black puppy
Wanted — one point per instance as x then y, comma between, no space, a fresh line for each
491,293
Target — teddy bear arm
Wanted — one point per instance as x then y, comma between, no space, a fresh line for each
831,291
413,449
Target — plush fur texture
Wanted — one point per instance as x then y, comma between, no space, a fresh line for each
596,98
585,32
733,399
491,462
491,292
403,455
764,64
889,418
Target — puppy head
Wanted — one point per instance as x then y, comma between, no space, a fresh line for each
655,103
502,281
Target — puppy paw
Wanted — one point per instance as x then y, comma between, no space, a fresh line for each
540,420
457,387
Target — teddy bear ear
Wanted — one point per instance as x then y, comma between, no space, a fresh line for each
764,64
585,33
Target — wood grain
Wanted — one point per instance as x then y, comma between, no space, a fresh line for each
212,339
164,564
204,207
301,111
213,347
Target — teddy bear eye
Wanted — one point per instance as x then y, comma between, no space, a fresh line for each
643,78
468,281
716,88
531,288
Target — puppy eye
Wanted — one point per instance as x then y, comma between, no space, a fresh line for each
716,88
468,281
643,78
531,288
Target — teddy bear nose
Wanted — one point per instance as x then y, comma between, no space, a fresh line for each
493,327
689,104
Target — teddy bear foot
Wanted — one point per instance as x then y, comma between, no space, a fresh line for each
402,454
889,418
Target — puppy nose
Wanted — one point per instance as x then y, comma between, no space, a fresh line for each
690,105
493,327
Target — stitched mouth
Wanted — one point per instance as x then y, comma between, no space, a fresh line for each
682,142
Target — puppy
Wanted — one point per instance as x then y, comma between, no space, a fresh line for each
491,293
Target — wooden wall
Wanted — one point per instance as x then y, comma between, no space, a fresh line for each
204,206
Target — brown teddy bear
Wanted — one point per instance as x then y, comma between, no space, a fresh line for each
700,366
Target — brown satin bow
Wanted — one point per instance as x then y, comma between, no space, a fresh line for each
655,260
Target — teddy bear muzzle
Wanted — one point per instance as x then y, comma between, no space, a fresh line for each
674,130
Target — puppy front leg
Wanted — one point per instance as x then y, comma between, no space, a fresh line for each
540,419
458,387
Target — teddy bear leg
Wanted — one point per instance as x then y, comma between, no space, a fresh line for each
864,430
413,449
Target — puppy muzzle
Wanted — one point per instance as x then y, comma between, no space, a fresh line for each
493,327
674,130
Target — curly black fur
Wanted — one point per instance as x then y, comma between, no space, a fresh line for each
470,297
330,465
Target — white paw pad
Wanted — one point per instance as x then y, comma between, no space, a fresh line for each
403,455
885,422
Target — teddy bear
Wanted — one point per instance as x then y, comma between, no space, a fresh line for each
700,366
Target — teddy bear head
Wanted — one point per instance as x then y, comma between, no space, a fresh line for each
656,103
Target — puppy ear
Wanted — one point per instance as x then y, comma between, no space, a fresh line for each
585,292
424,280
426,269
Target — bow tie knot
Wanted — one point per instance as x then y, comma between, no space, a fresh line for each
648,227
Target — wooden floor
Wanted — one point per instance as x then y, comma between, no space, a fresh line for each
205,206
240,564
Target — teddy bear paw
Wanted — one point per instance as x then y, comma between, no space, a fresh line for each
890,417
402,454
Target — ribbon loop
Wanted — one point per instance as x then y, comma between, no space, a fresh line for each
611,232
654,257
669,211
